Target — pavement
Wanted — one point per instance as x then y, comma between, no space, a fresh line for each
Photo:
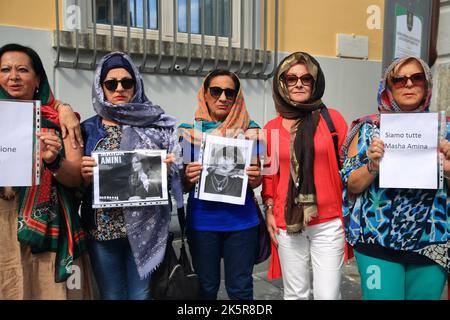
273,290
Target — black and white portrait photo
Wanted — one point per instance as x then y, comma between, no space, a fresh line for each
224,162
145,177
225,171
130,178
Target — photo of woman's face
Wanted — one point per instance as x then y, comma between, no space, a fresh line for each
225,165
137,165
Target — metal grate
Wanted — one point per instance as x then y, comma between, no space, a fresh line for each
253,62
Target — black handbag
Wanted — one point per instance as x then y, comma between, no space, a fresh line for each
264,242
174,279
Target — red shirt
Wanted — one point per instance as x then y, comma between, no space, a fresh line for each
326,176
326,172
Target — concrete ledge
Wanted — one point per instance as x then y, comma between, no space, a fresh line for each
86,43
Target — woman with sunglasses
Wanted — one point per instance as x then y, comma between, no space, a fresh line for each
303,196
215,229
126,244
400,236
40,231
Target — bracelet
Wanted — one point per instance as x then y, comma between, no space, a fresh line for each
55,164
446,177
62,104
268,206
371,170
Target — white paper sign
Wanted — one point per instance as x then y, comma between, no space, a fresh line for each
16,143
410,150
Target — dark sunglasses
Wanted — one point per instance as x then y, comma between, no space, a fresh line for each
127,83
417,79
216,92
306,80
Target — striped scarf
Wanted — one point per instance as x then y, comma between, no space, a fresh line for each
48,213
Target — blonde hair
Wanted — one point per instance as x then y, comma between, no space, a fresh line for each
395,71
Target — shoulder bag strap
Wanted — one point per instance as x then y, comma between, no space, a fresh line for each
334,135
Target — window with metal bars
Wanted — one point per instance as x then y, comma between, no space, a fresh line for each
216,15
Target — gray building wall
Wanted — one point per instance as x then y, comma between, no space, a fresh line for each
442,67
351,84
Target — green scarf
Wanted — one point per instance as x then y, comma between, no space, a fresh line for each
48,213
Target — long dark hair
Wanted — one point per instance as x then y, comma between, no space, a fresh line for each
221,72
36,62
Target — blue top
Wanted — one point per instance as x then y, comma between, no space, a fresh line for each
93,131
399,219
204,215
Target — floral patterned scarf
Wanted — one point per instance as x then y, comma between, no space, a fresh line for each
386,102
147,126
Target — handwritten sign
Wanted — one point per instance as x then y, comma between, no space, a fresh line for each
410,156
16,143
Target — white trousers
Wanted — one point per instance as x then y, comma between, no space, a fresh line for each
321,246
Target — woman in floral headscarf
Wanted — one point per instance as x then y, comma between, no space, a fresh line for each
400,236
303,195
216,229
126,244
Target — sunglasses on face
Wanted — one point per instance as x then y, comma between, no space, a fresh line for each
127,83
417,79
216,92
306,80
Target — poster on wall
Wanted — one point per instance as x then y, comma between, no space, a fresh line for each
408,33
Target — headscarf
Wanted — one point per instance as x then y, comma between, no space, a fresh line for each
146,126
386,102
116,61
237,121
301,201
48,223
140,112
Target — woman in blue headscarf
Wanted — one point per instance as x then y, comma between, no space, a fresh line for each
126,244
400,236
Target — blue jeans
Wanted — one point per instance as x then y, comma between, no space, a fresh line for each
238,250
115,271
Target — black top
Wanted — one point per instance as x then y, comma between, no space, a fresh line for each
226,185
380,252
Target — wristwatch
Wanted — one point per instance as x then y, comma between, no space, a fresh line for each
55,164
371,170
267,206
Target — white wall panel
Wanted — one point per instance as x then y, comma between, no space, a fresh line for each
351,85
